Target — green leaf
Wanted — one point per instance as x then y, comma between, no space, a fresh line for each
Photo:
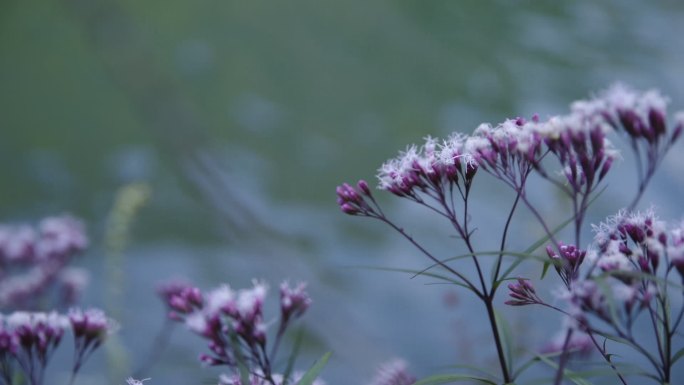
293,355
418,272
242,365
678,355
505,330
311,374
570,375
449,378
545,269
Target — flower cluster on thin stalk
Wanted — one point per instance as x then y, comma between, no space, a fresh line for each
626,274
34,264
642,118
29,339
439,175
233,322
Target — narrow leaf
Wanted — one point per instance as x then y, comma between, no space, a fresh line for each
450,378
293,355
311,374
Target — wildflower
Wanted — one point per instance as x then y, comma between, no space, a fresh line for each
627,242
33,261
567,261
393,372
17,243
60,236
222,300
91,328
32,338
180,298
523,293
293,301
642,117
352,200
581,147
509,151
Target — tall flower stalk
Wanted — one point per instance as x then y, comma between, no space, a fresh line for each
439,176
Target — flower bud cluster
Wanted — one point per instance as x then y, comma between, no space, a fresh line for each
630,242
33,262
293,301
631,254
28,339
233,321
512,149
567,261
353,201
181,299
522,293
641,115
431,167
581,147
508,150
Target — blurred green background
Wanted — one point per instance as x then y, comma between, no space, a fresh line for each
243,116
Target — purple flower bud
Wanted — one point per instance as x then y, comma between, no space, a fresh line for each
471,170
656,118
605,168
349,209
363,186
552,254
630,122
677,132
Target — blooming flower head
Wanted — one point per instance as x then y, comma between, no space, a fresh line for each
39,332
293,301
34,260
507,150
17,243
431,166
250,301
91,326
181,298
634,241
222,300
60,236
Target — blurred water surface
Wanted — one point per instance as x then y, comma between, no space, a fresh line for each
243,116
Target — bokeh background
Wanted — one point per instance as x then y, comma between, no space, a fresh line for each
239,118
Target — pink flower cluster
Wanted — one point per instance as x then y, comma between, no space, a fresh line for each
233,322
28,340
515,147
33,260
